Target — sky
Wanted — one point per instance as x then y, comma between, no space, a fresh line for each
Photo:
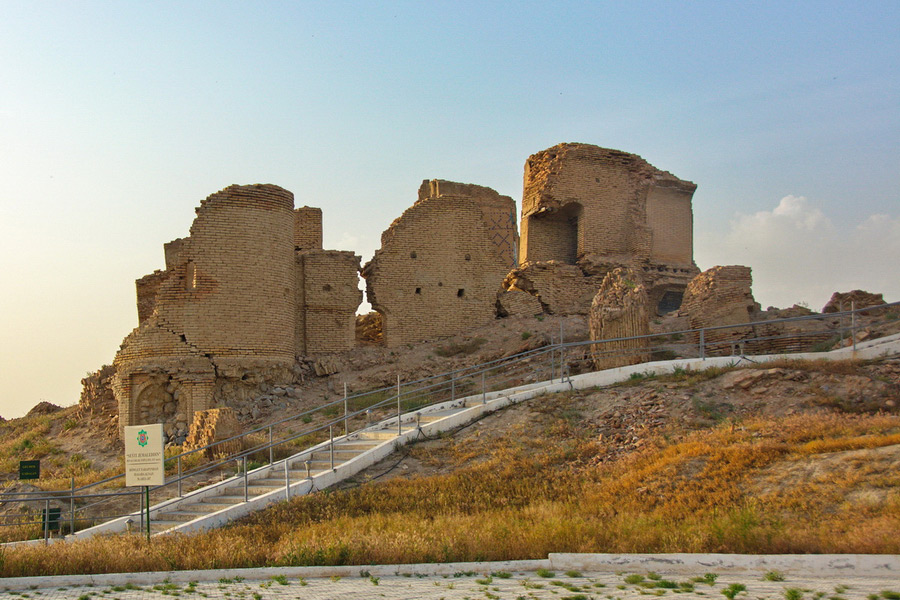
117,118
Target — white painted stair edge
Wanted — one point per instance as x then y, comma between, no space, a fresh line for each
470,409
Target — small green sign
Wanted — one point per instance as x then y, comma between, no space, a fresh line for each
51,519
29,469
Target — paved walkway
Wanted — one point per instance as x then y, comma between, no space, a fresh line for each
526,585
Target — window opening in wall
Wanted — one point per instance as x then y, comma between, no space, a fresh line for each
670,302
460,293
440,284
412,255
418,290
326,287
468,257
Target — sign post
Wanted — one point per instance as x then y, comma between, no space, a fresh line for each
144,460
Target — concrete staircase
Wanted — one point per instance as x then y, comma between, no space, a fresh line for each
314,469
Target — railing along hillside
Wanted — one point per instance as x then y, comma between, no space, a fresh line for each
37,514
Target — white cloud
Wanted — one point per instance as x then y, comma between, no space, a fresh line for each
799,255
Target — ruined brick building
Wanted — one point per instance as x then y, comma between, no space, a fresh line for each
588,210
251,290
240,298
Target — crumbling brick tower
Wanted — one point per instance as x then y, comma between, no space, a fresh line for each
241,296
441,262
601,209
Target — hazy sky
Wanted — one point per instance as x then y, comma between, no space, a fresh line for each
118,118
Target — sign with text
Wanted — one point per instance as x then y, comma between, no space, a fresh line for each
144,455
29,469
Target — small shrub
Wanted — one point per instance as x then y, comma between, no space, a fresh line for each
573,574
484,581
526,335
634,578
793,594
545,573
374,579
733,590
890,595
501,575
774,576
282,579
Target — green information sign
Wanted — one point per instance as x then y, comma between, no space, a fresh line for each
29,469
51,519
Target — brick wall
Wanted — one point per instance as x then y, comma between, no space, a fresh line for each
440,265
308,228
236,297
331,296
601,209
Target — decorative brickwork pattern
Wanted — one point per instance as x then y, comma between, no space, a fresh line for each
620,310
440,264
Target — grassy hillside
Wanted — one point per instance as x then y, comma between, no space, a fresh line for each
691,463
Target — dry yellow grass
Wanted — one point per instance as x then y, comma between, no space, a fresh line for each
707,492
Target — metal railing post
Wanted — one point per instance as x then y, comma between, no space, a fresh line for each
46,521
483,390
141,494
308,474
72,509
246,480
331,445
551,359
853,323
346,411
179,476
452,388
271,448
399,422
703,344
287,481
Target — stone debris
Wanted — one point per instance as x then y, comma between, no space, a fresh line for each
516,303
43,408
858,299
214,425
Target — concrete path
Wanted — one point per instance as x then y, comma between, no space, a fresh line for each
615,577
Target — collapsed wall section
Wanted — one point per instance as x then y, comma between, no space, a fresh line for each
619,310
440,263
721,296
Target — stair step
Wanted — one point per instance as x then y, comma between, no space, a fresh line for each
357,445
343,455
226,498
157,526
181,516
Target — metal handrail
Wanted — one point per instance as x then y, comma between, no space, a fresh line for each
432,387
